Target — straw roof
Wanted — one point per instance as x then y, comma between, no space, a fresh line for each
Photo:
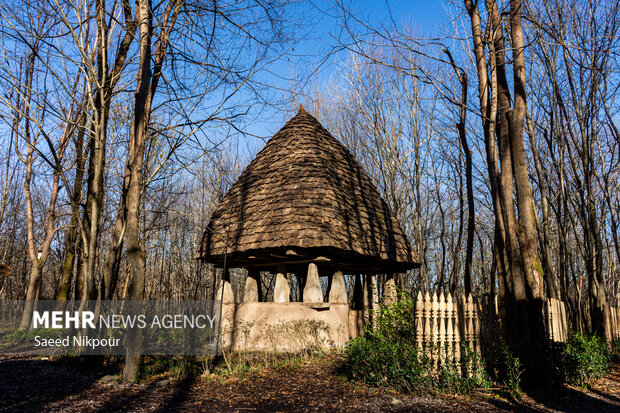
305,196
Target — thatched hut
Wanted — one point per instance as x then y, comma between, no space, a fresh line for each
305,206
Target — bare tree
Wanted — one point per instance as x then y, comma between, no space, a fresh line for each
578,69
522,273
32,133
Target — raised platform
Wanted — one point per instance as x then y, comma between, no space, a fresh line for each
284,327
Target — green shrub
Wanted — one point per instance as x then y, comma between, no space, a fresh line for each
387,356
586,358
579,361
542,362
21,336
477,375
381,363
513,369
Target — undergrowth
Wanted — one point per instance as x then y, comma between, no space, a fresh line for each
580,361
387,355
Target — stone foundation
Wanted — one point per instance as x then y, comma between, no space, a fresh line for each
282,327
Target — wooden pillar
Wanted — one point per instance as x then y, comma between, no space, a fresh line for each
401,277
337,289
312,290
371,298
358,293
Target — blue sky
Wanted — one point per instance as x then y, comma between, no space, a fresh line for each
424,17
427,18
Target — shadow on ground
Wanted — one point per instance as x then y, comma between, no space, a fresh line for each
570,400
30,384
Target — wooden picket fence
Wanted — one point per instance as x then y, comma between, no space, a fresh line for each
447,328
611,317
557,327
555,320
437,327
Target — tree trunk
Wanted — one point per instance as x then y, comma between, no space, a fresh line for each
146,88
135,254
471,214
71,240
34,285
522,299
543,230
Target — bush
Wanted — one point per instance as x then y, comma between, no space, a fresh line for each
381,363
581,360
387,355
513,371
474,365
586,359
541,362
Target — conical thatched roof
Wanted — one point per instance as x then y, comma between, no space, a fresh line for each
305,196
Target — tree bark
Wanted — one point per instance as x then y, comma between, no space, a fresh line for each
522,287
471,214
543,230
71,240
106,81
146,88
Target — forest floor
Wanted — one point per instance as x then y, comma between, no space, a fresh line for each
39,384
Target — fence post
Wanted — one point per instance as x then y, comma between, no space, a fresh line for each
463,318
435,327
607,327
470,322
457,337
614,324
449,330
442,328
564,321
553,320
419,320
427,319
476,322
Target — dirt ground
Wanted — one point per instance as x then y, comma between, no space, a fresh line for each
32,384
